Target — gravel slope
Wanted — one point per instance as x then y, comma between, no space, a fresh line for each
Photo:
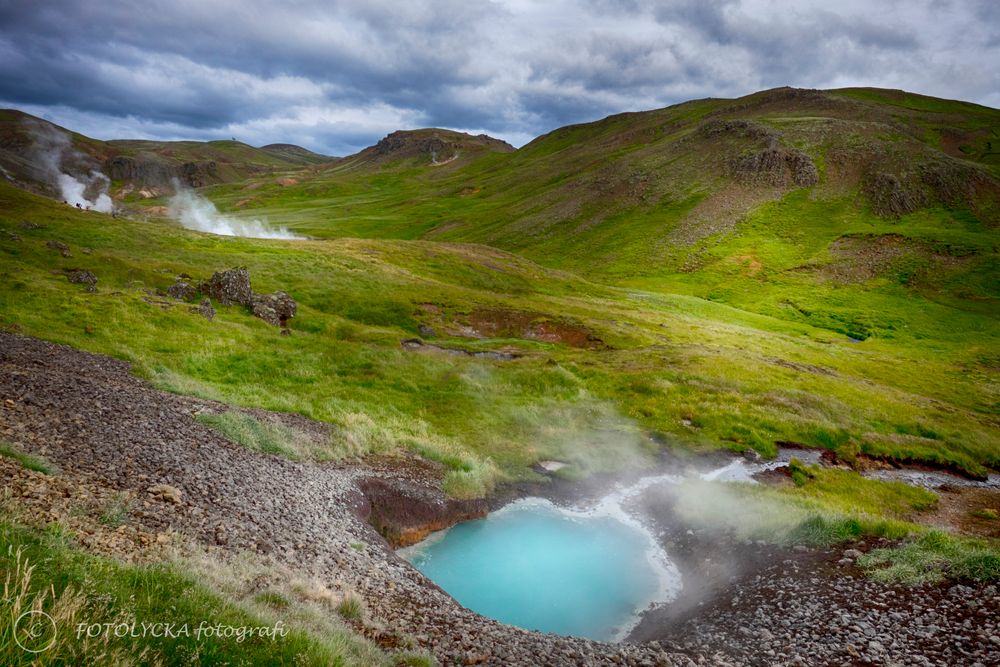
87,414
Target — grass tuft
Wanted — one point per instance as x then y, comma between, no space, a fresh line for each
352,608
116,511
934,557
29,461
43,573
260,436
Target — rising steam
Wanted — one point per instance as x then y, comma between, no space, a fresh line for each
195,212
53,153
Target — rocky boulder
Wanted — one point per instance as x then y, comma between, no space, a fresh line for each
166,493
229,287
82,277
60,246
275,309
204,309
182,290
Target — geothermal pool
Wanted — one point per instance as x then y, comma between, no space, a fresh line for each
543,567
579,572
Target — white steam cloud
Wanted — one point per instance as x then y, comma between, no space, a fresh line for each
74,191
195,212
55,155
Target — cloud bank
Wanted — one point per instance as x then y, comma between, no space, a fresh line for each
336,76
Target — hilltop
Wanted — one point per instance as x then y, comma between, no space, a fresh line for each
430,146
141,168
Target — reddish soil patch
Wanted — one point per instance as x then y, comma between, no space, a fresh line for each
503,323
404,512
966,510
751,265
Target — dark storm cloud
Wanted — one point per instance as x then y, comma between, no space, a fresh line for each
336,76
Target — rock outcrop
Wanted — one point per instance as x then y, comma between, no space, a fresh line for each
182,290
405,512
204,309
232,286
82,277
777,166
59,246
276,308
157,173
229,287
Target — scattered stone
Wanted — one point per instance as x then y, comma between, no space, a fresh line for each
182,290
166,493
426,331
752,455
275,309
12,236
853,554
229,287
82,277
87,251
238,501
60,246
204,309
27,224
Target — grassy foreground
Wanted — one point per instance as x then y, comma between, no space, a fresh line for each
91,609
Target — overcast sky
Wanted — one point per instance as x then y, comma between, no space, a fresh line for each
336,76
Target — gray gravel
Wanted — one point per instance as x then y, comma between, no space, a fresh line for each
87,414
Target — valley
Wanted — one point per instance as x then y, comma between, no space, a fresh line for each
656,292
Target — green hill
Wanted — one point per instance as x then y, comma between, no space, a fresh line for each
144,169
831,208
817,267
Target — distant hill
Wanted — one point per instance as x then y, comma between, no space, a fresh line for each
425,147
787,202
135,166
293,153
804,267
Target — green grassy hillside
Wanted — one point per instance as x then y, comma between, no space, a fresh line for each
793,266
603,375
865,212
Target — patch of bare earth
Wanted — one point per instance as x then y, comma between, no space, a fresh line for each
505,323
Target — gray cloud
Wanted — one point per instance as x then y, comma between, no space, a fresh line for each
335,76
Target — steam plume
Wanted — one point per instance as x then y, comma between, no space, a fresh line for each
53,153
195,212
